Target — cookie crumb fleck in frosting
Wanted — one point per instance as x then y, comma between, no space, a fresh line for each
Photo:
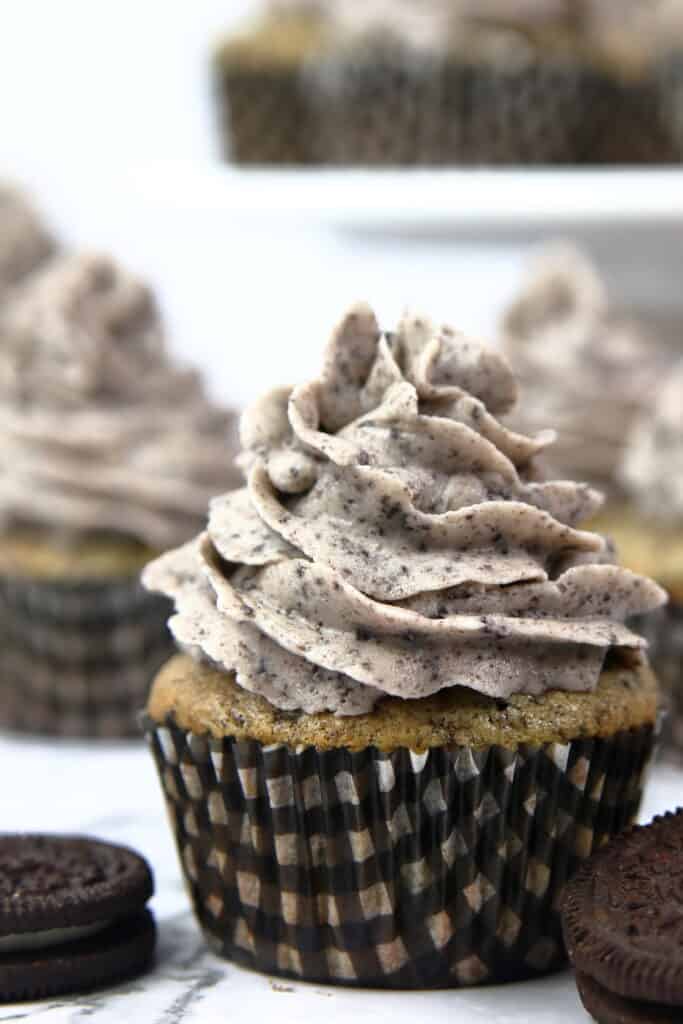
394,537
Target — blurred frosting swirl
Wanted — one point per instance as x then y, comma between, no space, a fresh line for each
394,538
583,368
653,463
25,242
99,431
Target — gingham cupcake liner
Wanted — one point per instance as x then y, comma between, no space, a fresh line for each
664,632
626,123
527,115
76,659
382,107
670,86
264,116
402,870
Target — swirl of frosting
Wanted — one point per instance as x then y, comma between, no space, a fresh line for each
653,464
585,369
99,431
24,242
394,538
419,24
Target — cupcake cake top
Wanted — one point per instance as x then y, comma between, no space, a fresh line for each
394,537
584,368
24,241
653,463
99,431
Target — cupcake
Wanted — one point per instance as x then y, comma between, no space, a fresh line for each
649,533
25,243
263,107
407,703
585,368
376,83
110,454
624,116
524,81
670,71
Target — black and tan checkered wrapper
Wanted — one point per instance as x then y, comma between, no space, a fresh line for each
381,107
530,115
264,115
664,631
76,659
626,122
394,869
670,84
388,109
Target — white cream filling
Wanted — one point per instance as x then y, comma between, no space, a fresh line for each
20,941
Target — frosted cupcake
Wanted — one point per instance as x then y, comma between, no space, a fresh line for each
585,368
408,703
264,109
376,82
649,533
109,454
25,243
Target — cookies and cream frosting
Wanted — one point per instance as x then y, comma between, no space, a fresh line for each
653,463
98,429
583,369
393,537
25,242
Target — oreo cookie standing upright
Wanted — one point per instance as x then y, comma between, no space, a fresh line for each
623,925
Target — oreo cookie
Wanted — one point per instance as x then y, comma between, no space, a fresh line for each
607,1008
72,915
622,917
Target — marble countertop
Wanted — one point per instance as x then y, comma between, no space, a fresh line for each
111,790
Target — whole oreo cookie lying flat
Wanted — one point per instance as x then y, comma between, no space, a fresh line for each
623,925
72,915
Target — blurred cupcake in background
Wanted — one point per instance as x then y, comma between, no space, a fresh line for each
25,242
263,106
408,704
522,81
109,454
624,116
670,68
377,86
584,367
649,532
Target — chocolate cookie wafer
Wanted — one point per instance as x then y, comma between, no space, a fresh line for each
623,924
72,915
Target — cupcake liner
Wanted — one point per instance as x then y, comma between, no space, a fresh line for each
263,116
664,631
77,658
402,869
625,123
527,115
381,107
670,85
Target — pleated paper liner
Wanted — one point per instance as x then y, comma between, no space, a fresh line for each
76,659
626,122
400,870
526,115
670,83
391,109
664,631
379,106
264,115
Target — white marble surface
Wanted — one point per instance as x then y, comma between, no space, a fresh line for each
111,791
